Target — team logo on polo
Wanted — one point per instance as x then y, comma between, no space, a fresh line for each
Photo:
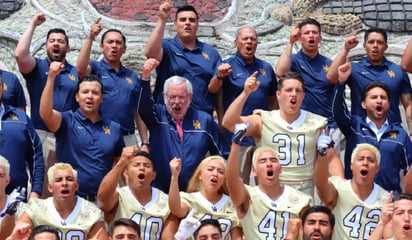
325,68
196,124
262,71
129,80
392,134
5,87
391,73
72,77
205,55
106,130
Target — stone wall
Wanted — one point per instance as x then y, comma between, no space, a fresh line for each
136,18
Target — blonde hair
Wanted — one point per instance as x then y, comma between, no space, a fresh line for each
366,146
194,183
60,166
5,164
258,151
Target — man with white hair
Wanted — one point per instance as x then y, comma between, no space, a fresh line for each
176,129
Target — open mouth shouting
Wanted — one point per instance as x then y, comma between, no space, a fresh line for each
293,102
141,176
316,235
364,172
407,227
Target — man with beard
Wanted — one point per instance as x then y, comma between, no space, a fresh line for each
376,129
318,223
184,55
35,72
395,223
73,216
375,67
291,131
138,201
120,84
356,203
231,76
176,128
263,210
85,139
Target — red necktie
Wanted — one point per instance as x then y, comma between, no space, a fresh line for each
179,129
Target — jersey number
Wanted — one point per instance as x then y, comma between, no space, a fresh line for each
268,225
284,143
353,221
73,235
152,226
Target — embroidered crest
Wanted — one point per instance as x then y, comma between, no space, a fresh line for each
13,116
129,80
205,55
325,68
392,134
196,124
106,130
391,73
72,77
5,87
262,71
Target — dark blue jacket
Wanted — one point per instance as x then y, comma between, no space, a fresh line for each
394,146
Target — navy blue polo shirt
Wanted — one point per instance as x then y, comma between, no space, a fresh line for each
388,73
233,85
197,65
120,94
65,87
89,147
318,89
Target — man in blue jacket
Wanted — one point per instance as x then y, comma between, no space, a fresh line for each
21,145
376,129
176,129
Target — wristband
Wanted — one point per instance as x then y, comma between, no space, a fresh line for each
144,144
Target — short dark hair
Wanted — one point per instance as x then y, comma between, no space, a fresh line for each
58,30
44,228
144,154
319,208
206,222
127,223
290,75
309,21
401,196
375,84
377,30
186,8
113,30
89,78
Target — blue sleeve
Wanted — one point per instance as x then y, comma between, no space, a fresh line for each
20,98
408,153
145,104
215,143
340,110
37,162
406,84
